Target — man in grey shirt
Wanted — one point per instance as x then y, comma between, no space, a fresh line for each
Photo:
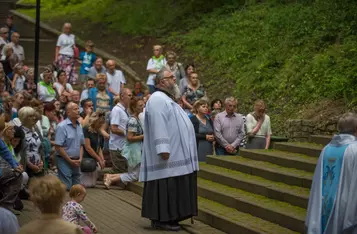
229,129
8,222
97,68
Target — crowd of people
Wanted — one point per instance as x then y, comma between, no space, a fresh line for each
74,124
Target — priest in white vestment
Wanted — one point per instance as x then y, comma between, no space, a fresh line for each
333,198
169,160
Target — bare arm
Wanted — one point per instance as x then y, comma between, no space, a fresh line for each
132,138
112,91
267,140
155,71
14,81
116,130
57,53
188,105
63,153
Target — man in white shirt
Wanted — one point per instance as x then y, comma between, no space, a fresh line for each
18,50
4,32
116,79
119,118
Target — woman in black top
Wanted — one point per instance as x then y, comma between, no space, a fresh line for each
93,142
203,126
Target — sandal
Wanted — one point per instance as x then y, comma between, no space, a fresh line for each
107,181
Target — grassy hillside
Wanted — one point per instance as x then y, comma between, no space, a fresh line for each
289,53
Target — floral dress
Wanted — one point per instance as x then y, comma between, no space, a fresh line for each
33,145
193,95
73,212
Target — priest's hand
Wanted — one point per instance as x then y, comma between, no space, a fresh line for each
165,156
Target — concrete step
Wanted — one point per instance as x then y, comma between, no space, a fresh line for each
296,196
320,139
281,213
265,170
226,218
281,158
309,149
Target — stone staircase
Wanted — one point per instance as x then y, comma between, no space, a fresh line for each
262,191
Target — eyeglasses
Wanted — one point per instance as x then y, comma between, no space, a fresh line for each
169,77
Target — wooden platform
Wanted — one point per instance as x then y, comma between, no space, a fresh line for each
113,211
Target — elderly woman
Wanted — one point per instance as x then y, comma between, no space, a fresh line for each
155,63
258,127
30,85
93,147
45,90
203,128
65,53
32,149
193,92
175,67
61,86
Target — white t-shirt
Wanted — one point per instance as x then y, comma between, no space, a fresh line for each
60,87
119,117
20,83
153,65
66,44
115,80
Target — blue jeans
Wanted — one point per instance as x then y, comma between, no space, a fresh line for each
152,88
223,152
67,174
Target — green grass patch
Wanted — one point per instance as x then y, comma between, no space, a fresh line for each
242,218
289,53
274,205
256,180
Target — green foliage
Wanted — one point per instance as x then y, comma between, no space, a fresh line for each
289,53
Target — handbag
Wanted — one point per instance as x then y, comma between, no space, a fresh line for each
89,164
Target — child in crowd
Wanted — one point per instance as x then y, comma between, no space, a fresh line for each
73,212
47,193
87,59
18,81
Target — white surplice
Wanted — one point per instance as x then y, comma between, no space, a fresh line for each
168,129
343,218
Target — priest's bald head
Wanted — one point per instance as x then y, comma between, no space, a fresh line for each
347,124
166,80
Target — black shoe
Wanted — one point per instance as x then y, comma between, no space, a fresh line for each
168,226
24,194
18,205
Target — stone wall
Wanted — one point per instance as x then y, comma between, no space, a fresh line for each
300,130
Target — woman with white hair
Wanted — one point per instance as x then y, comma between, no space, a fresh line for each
32,149
65,53
155,63
92,153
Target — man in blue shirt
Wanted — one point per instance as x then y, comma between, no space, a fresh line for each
69,143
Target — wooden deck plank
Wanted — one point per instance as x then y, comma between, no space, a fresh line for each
109,212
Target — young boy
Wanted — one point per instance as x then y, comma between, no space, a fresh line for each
87,59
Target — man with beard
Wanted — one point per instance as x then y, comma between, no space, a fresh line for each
169,160
69,143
